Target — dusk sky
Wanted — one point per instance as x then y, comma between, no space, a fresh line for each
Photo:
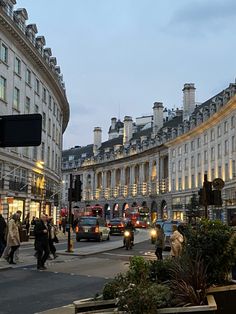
119,56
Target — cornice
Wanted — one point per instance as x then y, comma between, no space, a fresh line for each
8,25
209,123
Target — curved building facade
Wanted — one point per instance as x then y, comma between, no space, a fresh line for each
159,161
30,82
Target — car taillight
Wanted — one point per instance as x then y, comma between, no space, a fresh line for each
120,225
76,229
97,229
109,225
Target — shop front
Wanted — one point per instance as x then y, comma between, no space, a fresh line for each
15,204
35,209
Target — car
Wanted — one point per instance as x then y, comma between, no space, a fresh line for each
92,228
117,226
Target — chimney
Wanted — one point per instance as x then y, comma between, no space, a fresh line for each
113,123
157,116
188,100
128,129
97,142
178,112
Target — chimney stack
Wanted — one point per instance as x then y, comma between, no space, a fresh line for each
128,129
97,142
188,100
113,123
157,116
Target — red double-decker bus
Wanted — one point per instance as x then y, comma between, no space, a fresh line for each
93,211
139,216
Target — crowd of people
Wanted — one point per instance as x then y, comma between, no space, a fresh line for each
45,232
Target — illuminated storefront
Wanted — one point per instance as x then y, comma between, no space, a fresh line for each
15,204
35,209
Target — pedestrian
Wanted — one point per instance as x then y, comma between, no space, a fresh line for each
160,242
63,223
60,223
19,224
41,242
176,242
27,223
3,229
33,221
13,237
52,237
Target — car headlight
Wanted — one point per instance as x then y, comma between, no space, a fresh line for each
153,232
137,222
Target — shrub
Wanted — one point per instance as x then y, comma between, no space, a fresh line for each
139,270
113,287
159,271
211,240
144,299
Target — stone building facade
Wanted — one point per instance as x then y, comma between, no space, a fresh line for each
30,82
160,160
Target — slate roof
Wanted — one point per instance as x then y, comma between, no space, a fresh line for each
78,152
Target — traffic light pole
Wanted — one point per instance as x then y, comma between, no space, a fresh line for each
205,196
69,249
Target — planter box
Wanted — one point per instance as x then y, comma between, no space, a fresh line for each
225,297
89,306
94,306
210,308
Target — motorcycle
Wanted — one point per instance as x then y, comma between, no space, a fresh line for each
127,240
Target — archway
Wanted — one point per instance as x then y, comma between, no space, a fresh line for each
116,210
154,215
107,212
124,209
164,213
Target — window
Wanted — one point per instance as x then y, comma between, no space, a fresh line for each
44,121
192,145
56,165
48,156
173,166
233,143
199,179
53,132
180,184
28,76
173,184
27,105
16,98
226,147
219,151
226,171
44,95
179,165
36,108
186,182
233,169
205,138
3,88
4,53
25,151
212,153
199,159
54,109
205,156
219,131
17,66
53,165
226,127
198,142
212,135
185,164
219,172
49,126
212,174
232,122
42,151
186,148
192,162
37,86
179,150
193,181
50,102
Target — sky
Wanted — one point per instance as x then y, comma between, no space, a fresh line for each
120,56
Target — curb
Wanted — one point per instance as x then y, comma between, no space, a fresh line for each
87,254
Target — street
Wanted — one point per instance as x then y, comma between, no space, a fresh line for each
25,290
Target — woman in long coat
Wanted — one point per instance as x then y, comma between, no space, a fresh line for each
176,242
13,237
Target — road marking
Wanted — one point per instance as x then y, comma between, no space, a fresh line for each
121,255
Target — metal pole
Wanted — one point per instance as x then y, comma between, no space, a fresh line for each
205,197
70,206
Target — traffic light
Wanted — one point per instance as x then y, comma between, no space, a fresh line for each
78,189
201,198
207,186
217,198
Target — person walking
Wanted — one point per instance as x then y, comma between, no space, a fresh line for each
3,229
13,237
41,242
160,241
52,237
176,242
27,223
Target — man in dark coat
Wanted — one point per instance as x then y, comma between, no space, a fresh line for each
41,242
3,229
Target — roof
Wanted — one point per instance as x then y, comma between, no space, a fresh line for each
119,125
78,152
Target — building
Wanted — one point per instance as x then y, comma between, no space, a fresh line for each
30,82
160,160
